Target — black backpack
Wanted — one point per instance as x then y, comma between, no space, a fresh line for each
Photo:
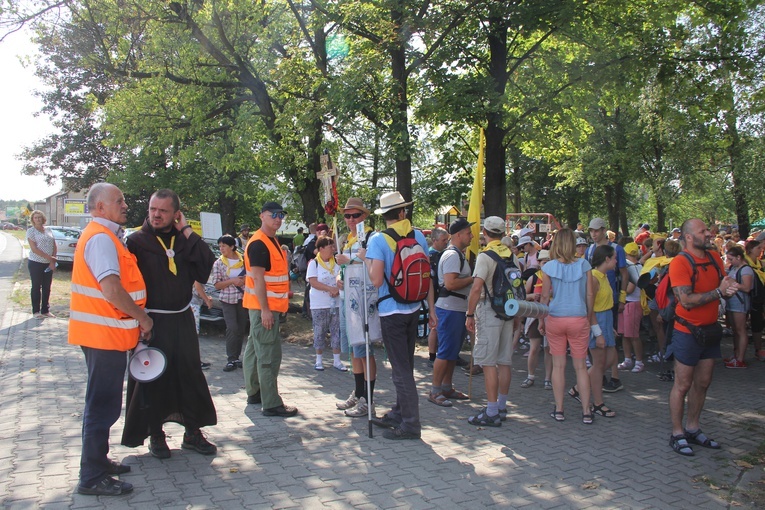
506,284
435,259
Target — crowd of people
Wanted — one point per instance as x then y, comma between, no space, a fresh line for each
594,288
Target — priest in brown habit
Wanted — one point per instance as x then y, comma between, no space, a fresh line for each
171,258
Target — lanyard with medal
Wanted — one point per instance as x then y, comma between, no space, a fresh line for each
170,254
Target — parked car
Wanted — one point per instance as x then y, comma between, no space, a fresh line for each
66,242
214,314
10,226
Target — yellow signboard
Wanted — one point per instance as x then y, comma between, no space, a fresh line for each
195,225
75,208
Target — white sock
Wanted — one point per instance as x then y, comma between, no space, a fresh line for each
318,359
337,358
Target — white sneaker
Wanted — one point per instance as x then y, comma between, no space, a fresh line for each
639,367
319,367
360,410
339,366
350,402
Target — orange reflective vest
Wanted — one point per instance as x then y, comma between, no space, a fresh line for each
277,278
94,321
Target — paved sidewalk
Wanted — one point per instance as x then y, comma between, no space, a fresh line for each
323,459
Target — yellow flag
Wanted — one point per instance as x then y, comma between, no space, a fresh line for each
476,201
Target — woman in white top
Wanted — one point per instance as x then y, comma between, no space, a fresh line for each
322,274
41,264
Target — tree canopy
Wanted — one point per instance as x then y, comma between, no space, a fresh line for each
637,111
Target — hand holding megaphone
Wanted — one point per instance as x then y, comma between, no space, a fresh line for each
147,363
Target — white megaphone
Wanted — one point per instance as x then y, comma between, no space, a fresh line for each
147,363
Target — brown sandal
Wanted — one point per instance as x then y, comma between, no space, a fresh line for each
440,400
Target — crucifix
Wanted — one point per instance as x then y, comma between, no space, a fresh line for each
326,175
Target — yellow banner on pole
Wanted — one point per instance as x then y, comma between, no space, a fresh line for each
476,201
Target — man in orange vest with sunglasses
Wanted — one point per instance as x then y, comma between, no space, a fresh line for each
266,294
106,319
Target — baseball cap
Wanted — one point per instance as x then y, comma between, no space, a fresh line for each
459,224
676,230
272,207
581,241
631,249
597,224
244,227
494,224
645,226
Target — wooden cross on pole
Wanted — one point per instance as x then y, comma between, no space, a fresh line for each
325,176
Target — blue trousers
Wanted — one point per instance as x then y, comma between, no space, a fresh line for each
103,405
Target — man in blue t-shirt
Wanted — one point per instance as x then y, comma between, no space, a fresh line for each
597,230
398,320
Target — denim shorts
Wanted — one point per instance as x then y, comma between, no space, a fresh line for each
687,351
606,323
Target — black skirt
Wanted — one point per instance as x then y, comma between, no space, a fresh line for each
180,394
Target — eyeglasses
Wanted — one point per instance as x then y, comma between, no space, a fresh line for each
279,215
354,216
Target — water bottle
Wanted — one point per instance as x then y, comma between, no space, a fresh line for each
47,269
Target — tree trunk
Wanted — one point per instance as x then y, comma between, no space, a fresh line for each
495,188
661,215
399,132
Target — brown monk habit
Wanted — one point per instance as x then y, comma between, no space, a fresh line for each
181,394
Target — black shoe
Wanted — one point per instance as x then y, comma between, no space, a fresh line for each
254,399
115,468
158,446
238,363
398,433
197,441
230,366
281,411
204,365
385,422
613,386
106,487
462,363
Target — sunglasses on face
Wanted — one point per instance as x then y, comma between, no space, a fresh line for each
355,216
279,215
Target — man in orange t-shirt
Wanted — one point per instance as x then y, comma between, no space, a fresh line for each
697,302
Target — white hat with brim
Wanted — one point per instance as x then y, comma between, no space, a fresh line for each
390,201
524,240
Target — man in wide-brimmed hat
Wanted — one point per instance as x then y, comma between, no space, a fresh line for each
352,251
398,320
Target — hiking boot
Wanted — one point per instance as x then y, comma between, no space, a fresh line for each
196,441
158,446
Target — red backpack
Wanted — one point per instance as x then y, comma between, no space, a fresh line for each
409,280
